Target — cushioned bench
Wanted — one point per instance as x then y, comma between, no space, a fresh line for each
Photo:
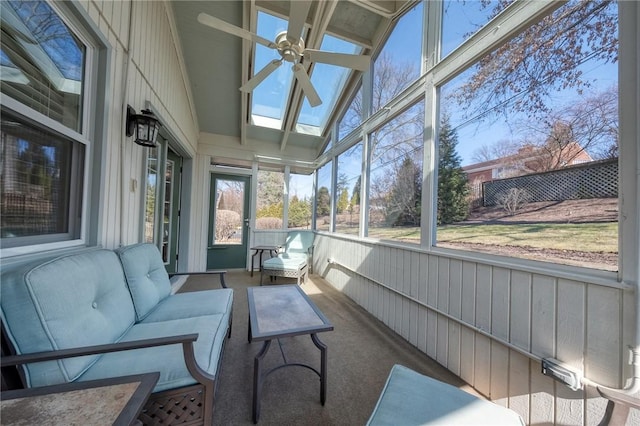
409,398
120,304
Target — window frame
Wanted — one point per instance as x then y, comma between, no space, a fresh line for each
513,19
437,71
399,106
95,65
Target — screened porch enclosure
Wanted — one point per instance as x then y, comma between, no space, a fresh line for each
473,191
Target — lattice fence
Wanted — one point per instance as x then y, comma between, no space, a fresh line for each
591,180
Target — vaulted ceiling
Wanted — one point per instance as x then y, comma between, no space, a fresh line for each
219,63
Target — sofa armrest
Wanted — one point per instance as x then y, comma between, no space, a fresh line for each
217,272
185,339
97,349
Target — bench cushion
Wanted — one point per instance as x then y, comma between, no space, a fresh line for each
71,301
146,276
410,398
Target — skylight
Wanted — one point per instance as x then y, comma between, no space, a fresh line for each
269,99
329,80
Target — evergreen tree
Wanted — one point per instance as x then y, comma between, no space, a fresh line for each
343,201
355,195
453,190
404,199
299,212
323,202
270,188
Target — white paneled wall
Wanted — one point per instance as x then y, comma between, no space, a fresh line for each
146,68
490,325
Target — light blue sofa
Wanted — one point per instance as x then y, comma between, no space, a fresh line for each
121,302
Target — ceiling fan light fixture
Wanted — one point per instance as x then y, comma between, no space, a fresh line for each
288,50
291,48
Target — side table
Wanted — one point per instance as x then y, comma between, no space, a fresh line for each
273,250
117,401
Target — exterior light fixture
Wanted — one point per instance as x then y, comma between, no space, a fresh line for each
145,126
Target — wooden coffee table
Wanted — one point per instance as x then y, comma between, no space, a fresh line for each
284,311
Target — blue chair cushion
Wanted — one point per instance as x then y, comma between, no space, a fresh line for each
299,242
284,263
410,398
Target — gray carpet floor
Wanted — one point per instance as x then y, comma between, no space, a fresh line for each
361,352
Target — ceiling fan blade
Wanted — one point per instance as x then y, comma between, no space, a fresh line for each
219,24
297,17
307,87
261,75
356,62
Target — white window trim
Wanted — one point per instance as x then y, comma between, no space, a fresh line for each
84,137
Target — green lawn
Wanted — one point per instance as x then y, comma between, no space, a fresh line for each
589,237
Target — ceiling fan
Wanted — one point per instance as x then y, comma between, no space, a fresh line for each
291,48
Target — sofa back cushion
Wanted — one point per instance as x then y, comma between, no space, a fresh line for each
71,301
146,276
299,242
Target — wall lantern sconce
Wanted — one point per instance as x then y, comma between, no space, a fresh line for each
145,125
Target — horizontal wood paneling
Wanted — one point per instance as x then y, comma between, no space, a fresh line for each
575,322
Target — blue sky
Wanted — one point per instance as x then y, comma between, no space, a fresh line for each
462,18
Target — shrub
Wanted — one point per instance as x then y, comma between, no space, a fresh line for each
513,200
268,223
227,221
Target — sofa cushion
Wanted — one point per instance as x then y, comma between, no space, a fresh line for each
146,276
168,360
192,304
410,398
70,301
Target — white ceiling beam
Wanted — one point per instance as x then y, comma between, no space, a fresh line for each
319,24
247,52
386,8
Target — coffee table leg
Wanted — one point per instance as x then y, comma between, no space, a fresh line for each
257,380
323,367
